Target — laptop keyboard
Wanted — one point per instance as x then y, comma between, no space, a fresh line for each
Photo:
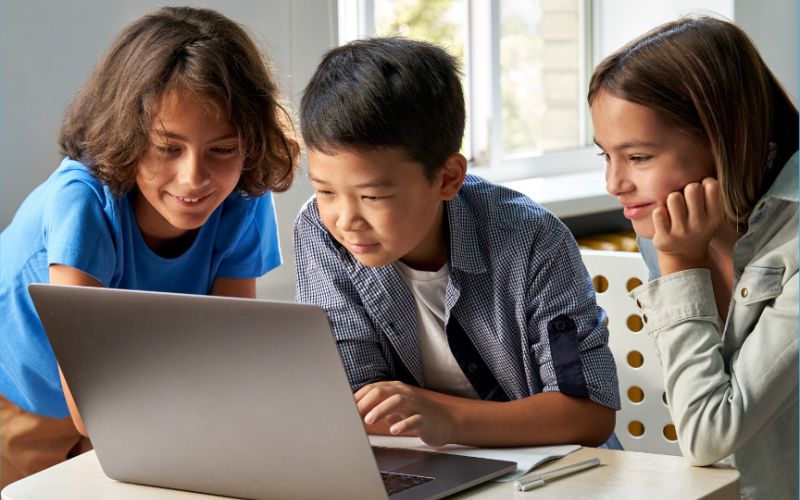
395,483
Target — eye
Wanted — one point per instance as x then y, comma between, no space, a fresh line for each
167,150
375,198
225,150
640,158
604,155
322,193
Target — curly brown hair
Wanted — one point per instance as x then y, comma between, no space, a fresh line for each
107,126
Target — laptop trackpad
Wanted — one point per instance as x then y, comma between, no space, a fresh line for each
394,459
431,464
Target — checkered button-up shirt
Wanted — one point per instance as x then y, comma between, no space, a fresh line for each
517,286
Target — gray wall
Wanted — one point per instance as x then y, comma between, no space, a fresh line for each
773,27
48,48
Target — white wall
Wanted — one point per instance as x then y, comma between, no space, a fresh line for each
47,50
619,21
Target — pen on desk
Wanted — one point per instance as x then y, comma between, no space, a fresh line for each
536,480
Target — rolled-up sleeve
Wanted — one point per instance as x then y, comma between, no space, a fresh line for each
566,328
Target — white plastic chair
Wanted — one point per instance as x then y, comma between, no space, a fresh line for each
643,423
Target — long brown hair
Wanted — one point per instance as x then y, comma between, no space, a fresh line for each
705,76
107,126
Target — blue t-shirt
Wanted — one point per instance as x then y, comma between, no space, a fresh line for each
73,219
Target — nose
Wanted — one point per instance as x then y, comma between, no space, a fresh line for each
617,182
192,171
348,217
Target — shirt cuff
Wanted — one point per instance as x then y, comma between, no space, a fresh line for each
675,298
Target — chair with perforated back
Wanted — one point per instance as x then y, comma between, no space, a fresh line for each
643,423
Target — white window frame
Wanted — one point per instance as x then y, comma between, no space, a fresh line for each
357,20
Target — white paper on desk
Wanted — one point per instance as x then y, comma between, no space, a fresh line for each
526,458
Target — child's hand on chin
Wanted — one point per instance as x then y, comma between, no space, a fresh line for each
685,225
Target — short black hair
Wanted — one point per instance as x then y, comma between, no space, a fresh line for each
383,93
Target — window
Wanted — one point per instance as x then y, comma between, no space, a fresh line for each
525,65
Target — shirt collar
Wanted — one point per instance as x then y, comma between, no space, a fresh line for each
466,253
785,185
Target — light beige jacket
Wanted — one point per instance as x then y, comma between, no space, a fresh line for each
733,392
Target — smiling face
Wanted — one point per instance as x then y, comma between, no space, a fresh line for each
646,159
192,164
380,206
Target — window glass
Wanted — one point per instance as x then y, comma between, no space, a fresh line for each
540,75
524,92
443,22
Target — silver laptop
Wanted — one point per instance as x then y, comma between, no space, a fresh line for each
235,397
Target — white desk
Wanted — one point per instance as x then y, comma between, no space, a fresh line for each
624,474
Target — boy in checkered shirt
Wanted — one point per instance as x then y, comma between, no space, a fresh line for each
462,310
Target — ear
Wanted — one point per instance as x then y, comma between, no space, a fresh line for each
452,175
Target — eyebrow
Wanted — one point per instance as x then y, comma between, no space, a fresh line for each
628,145
363,185
173,135
376,184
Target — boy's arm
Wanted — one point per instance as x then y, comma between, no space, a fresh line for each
395,408
67,275
567,341
566,334
234,287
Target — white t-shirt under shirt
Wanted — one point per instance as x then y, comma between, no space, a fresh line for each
439,367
